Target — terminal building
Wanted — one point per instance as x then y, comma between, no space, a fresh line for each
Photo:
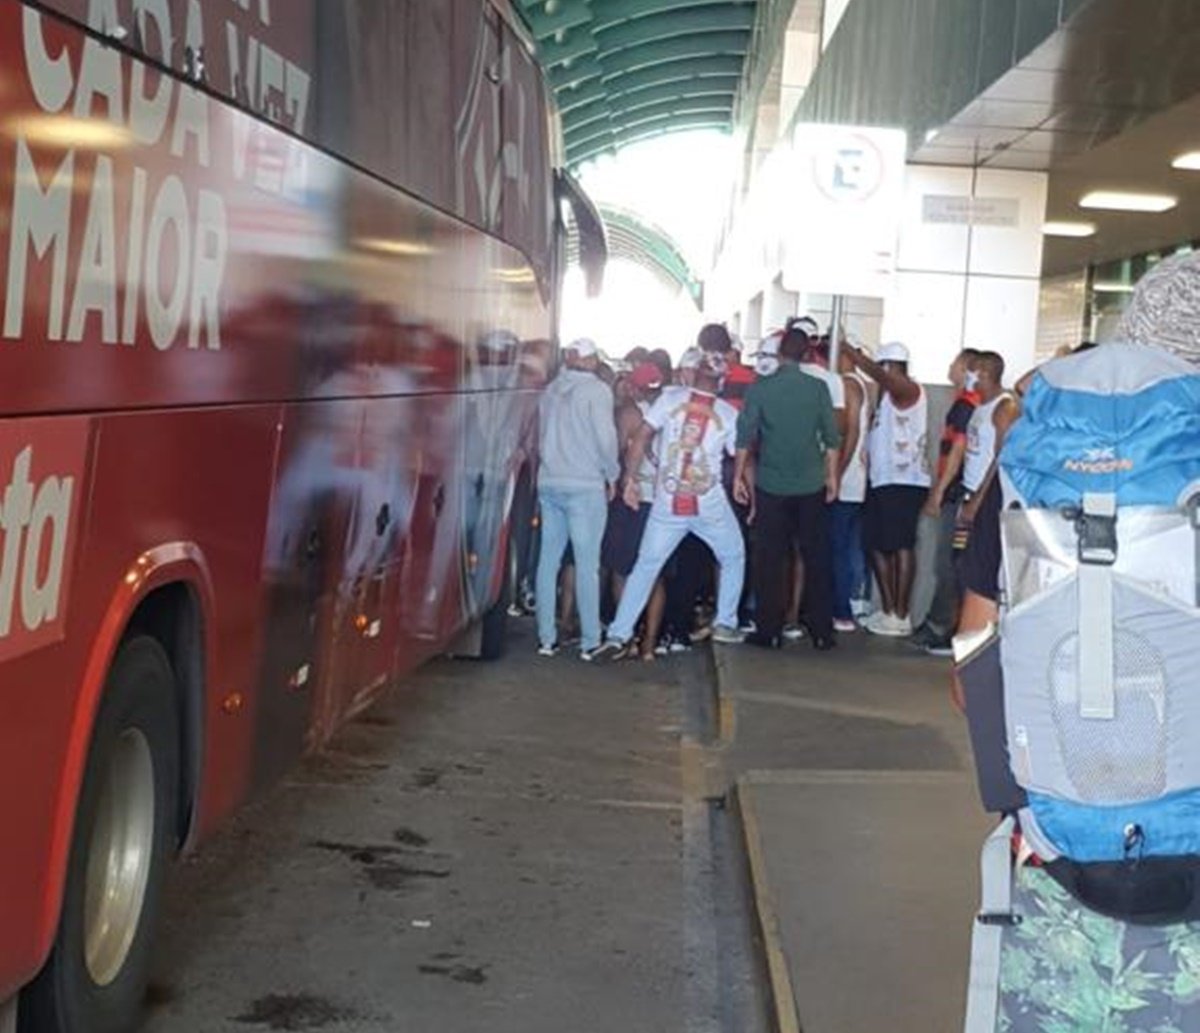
1050,147
1051,150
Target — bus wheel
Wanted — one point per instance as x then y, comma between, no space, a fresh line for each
95,979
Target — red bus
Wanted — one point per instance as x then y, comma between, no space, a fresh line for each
279,290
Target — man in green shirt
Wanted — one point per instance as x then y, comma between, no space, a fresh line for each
788,421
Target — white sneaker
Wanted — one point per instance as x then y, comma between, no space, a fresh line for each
880,623
793,633
844,626
547,651
727,636
891,626
614,648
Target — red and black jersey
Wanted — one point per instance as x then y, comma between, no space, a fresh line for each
955,429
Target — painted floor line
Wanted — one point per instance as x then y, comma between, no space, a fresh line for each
830,707
783,995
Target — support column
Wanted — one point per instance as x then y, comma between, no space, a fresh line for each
969,267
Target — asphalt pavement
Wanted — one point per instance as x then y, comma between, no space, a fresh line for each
723,842
515,847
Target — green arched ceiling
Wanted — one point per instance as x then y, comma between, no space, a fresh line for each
637,240
624,70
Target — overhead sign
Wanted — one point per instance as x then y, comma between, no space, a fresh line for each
842,210
955,210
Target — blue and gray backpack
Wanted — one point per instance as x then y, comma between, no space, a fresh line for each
1088,729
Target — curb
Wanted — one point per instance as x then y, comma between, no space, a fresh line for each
782,993
726,704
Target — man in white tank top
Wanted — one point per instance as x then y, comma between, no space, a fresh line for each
899,478
849,559
977,534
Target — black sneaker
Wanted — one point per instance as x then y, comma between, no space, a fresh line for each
924,636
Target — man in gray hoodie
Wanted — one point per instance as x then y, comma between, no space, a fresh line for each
579,466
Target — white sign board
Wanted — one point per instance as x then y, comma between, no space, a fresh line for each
954,210
843,209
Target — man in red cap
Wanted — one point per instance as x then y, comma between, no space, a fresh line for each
696,430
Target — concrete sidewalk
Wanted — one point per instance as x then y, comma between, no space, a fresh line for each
863,831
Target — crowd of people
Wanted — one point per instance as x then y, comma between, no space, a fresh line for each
760,502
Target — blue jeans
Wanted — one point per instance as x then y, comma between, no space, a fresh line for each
849,560
577,515
718,528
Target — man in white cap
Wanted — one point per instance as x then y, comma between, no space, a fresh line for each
899,483
578,472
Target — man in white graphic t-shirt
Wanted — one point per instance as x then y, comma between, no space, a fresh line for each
696,431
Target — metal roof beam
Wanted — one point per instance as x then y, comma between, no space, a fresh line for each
585,118
576,74
692,21
718,106
571,98
718,109
725,66
704,44
610,12
573,47
707,86
670,124
565,18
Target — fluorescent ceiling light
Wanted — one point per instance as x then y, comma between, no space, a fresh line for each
1069,229
1118,201
1113,288
1189,162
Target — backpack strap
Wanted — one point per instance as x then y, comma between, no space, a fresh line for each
1097,528
1193,512
987,936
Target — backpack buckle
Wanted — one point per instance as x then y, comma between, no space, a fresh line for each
1096,528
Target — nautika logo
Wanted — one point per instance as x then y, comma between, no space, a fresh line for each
1099,460
37,518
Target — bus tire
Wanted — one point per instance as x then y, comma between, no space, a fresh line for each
125,834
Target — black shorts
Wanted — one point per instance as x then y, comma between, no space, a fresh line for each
891,516
623,536
979,562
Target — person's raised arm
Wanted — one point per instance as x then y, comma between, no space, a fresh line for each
903,391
